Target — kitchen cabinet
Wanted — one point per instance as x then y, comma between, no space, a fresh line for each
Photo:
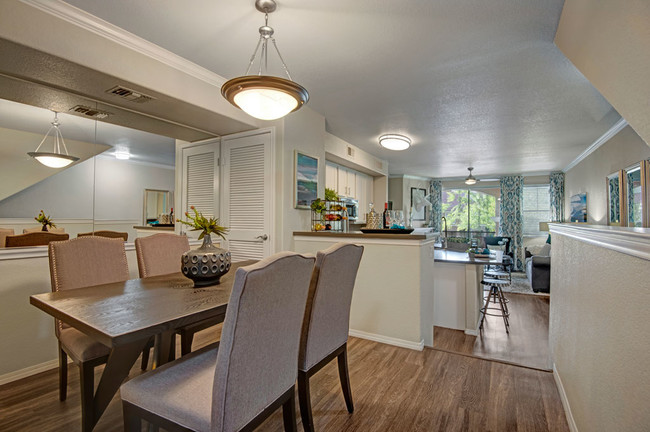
347,185
331,177
364,194
351,184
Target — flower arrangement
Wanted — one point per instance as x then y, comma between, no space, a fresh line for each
44,220
198,222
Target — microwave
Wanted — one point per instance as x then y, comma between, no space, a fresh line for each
352,207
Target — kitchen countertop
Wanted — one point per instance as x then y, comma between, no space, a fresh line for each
358,234
450,256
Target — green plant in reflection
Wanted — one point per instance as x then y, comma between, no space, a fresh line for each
44,220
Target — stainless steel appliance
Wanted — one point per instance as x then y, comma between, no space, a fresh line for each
352,207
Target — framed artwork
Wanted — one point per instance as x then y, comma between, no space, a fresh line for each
417,196
578,210
306,180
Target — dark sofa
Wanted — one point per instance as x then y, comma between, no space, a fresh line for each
538,270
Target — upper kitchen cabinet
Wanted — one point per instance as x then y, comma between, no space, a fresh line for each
342,180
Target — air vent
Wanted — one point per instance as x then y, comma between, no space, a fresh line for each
350,152
130,95
90,112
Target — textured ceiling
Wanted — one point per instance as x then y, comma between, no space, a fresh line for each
471,82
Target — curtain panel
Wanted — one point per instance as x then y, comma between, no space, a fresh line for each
557,196
435,217
511,222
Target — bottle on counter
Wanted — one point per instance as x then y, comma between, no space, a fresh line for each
385,218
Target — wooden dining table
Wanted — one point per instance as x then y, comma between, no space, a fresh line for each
125,315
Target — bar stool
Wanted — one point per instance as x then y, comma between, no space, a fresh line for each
496,295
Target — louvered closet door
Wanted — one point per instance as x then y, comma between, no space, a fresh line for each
200,182
247,197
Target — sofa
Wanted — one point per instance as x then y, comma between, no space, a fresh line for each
538,268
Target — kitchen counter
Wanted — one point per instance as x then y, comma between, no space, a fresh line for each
359,234
153,227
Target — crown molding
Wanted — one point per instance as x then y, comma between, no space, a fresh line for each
113,33
111,157
618,126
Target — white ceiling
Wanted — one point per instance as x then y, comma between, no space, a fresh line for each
471,82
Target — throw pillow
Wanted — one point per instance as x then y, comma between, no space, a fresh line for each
535,249
546,250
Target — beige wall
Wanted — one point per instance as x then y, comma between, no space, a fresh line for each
599,334
621,151
399,192
609,42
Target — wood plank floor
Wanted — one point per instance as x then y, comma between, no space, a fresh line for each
394,389
526,345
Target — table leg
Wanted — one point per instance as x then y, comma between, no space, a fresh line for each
120,361
162,348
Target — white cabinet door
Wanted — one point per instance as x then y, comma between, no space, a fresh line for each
331,177
346,182
361,180
352,184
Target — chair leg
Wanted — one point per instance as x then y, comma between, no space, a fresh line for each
63,374
289,413
345,378
87,382
145,358
132,422
304,400
186,342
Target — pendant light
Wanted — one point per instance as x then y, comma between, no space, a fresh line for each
263,96
54,159
395,142
470,179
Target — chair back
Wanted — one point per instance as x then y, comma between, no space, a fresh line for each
108,234
40,229
40,238
160,254
84,262
257,359
4,232
327,316
494,241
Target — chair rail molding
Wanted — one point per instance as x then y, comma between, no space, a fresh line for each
630,241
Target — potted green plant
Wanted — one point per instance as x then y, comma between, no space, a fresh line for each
44,220
207,264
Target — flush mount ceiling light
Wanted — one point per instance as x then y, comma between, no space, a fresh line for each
54,159
470,179
263,96
395,142
122,153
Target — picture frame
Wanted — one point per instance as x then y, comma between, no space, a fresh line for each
305,180
578,209
420,193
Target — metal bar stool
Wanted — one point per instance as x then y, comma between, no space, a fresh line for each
496,295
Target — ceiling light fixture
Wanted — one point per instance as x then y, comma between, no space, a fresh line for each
122,154
54,159
395,142
470,179
263,96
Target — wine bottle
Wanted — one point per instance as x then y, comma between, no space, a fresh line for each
385,217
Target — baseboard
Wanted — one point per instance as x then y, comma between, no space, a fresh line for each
565,401
471,332
418,346
28,371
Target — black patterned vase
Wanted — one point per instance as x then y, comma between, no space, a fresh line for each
205,265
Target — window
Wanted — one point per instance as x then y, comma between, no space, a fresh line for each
536,208
473,209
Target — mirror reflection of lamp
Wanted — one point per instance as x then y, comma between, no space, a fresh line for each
56,158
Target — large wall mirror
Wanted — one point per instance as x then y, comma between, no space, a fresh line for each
634,196
628,197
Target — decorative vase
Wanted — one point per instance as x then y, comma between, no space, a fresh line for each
205,265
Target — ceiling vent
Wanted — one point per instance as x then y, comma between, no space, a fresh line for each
90,112
130,95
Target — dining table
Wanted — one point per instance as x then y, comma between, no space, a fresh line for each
124,316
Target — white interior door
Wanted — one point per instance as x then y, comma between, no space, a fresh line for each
247,198
200,182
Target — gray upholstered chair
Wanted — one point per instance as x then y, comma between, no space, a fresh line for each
78,263
40,238
327,322
104,233
4,232
160,254
249,375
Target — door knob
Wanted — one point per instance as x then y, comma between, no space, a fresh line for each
262,237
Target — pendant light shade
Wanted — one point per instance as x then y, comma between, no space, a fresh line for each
263,96
55,158
470,179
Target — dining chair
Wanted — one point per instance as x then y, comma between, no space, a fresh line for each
109,234
160,254
40,238
39,228
326,322
78,263
252,371
4,232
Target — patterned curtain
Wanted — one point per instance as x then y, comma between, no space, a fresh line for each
511,223
557,197
435,216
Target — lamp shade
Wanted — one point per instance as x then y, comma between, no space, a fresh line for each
53,160
543,226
